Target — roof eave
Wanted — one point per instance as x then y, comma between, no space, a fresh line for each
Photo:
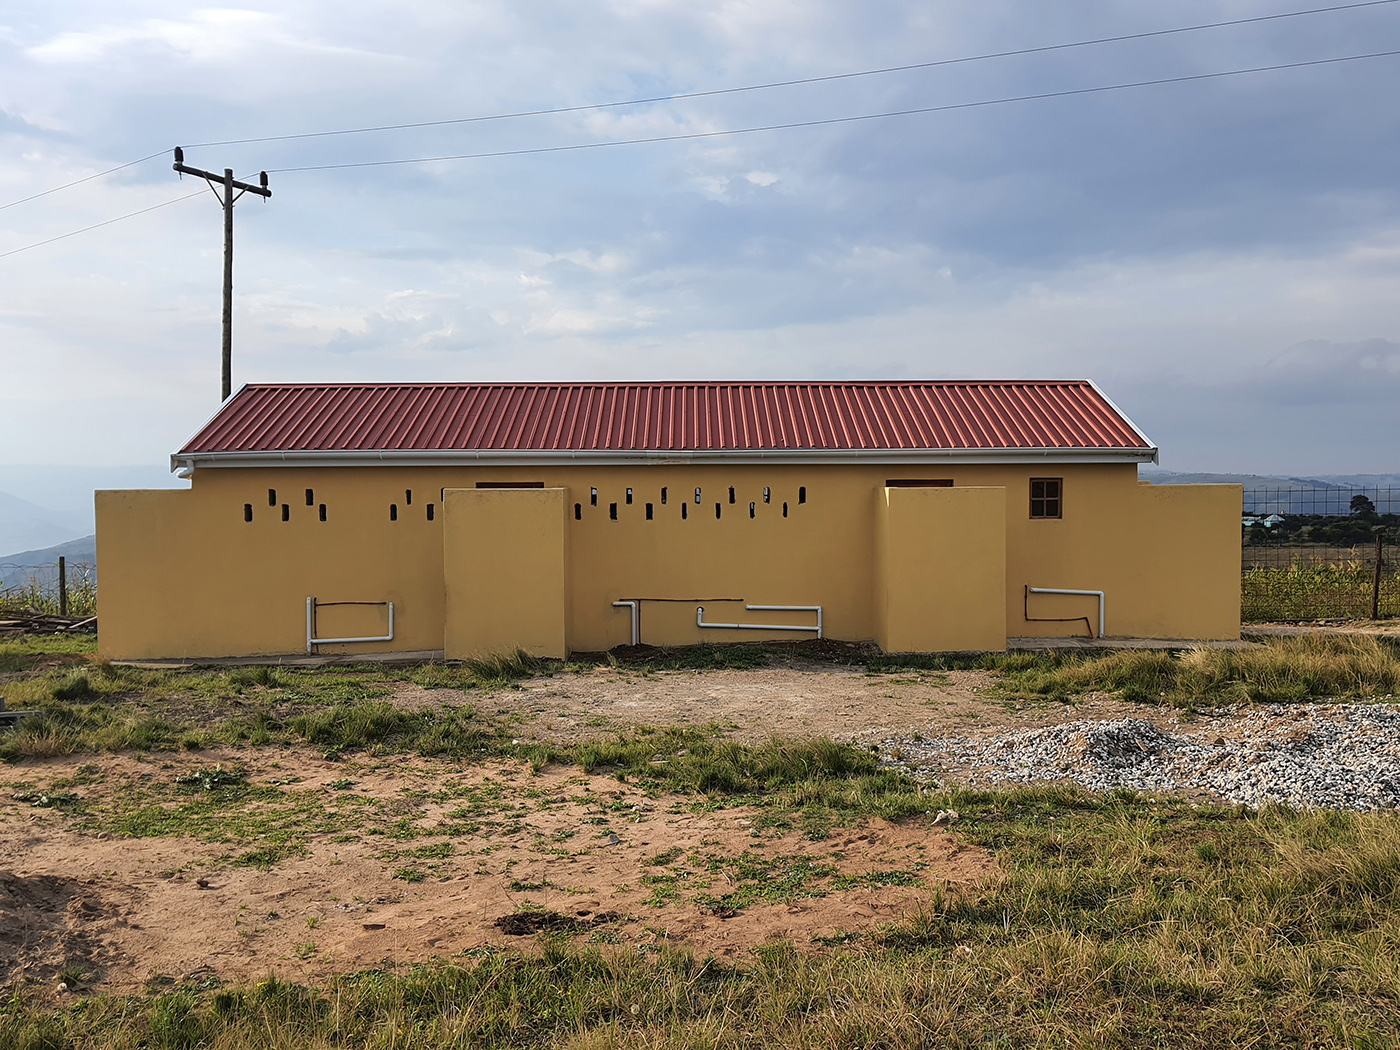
655,457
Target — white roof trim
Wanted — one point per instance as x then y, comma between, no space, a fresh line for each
654,457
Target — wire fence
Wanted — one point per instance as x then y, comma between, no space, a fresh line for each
1319,553
35,588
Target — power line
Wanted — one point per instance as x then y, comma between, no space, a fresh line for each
85,178
841,120
98,225
805,80
746,131
730,91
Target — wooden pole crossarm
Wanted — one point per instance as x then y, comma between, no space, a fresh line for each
261,191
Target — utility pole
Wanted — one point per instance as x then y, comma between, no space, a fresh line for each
228,184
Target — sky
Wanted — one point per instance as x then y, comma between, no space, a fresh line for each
1221,255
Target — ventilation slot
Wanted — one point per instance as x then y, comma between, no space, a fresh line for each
286,512
767,494
310,498
247,512
717,509
731,493
431,512
802,494
393,512
663,496
649,515
578,512
629,497
684,508
323,512
593,497
751,510
785,510
612,511
408,497
272,497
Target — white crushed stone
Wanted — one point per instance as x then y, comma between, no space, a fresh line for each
1331,756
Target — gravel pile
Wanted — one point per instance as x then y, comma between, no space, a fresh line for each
1333,756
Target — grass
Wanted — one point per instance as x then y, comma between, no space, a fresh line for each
1113,926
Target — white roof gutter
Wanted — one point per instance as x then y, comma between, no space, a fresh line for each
648,457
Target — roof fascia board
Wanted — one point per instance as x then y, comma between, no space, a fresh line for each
605,457
176,462
1127,419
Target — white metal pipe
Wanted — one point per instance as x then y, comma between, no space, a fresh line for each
636,632
700,619
1088,594
791,608
311,640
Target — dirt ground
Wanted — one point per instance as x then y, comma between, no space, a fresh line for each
845,704
405,859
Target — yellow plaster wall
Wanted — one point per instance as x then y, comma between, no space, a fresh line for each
504,564
941,569
182,574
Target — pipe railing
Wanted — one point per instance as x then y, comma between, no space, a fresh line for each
700,619
1086,594
636,626
312,641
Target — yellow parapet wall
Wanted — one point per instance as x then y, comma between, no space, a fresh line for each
503,561
941,569
225,568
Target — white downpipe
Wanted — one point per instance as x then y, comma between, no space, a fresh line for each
1090,594
700,619
636,631
312,640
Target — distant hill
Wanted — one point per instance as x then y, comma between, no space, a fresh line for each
16,569
1270,494
28,525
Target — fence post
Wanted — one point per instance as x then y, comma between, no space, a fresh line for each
63,584
1376,579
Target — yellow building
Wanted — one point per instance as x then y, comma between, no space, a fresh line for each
555,518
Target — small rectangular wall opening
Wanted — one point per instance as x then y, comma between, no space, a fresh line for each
407,497
751,510
612,511
593,497
310,497
393,512
697,495
431,512
247,512
684,508
717,509
578,512
802,494
663,495
286,512
649,513
767,494
272,497
323,512
629,497
785,510
731,493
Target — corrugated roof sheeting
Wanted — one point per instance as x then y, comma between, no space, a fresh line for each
665,417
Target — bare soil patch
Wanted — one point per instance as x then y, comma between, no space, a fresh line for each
843,703
406,859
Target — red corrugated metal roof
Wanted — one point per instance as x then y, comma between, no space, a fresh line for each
307,417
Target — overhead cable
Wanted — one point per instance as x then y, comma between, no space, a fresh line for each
98,225
85,178
839,120
794,83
